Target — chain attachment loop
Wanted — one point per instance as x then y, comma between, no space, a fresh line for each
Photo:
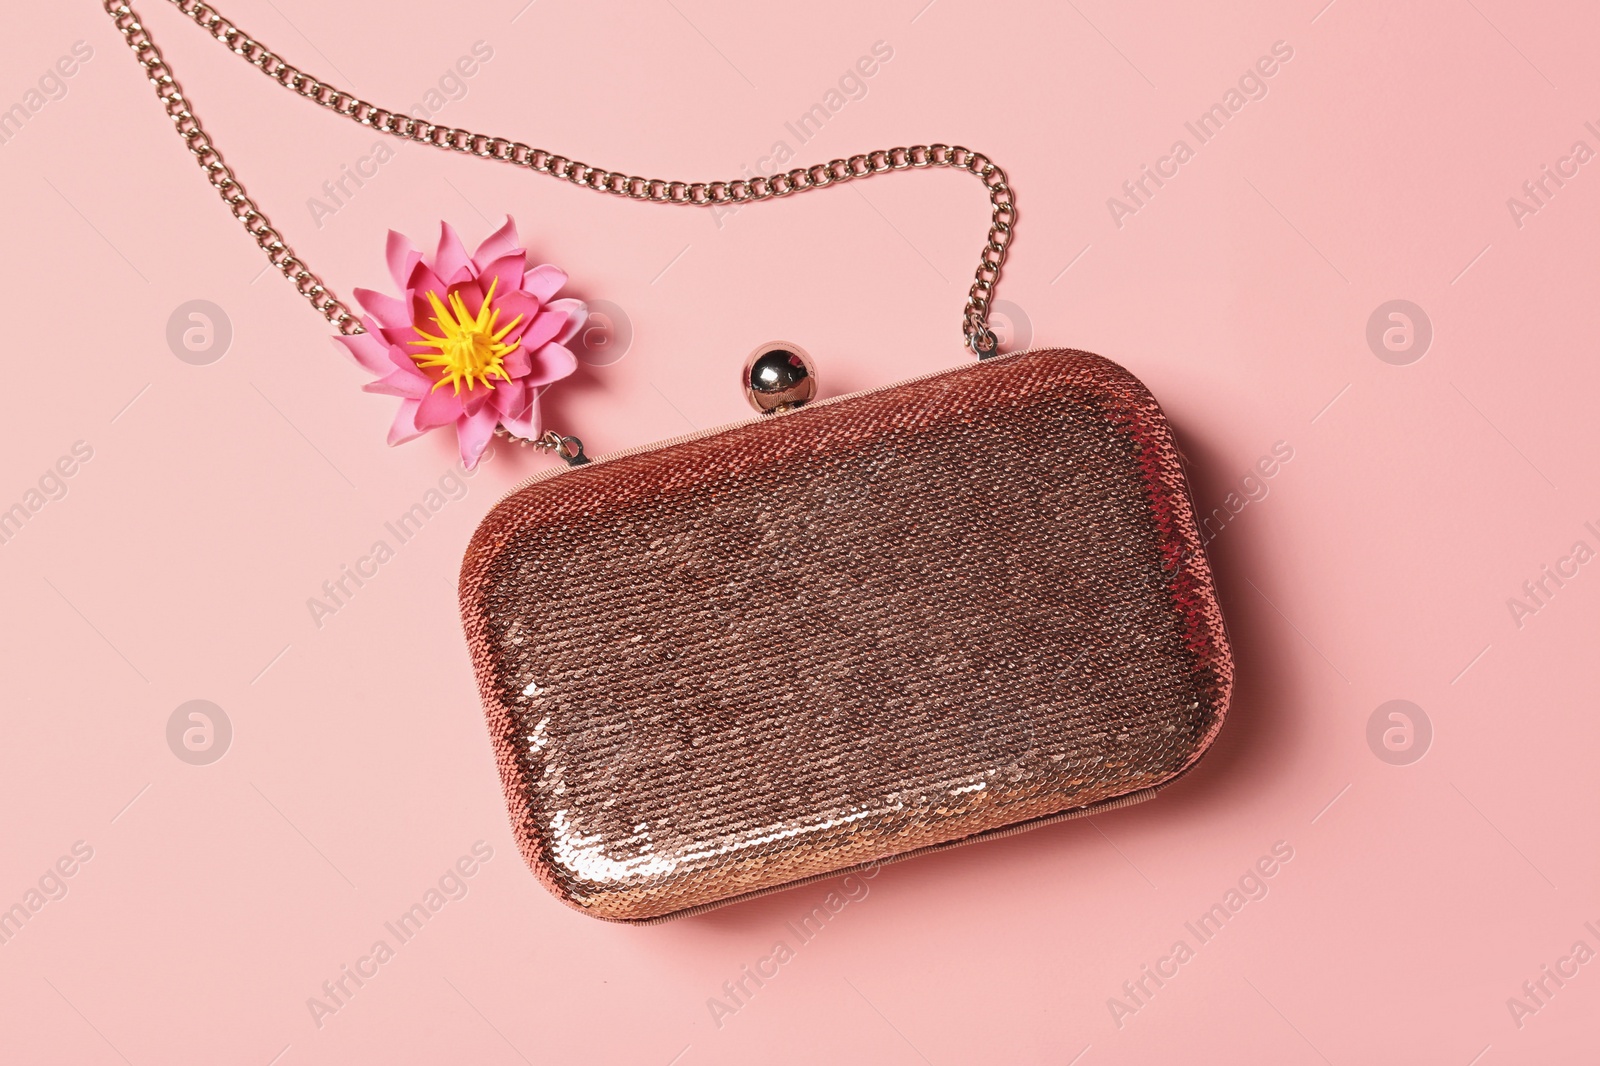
565,447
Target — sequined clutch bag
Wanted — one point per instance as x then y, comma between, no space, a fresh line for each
851,632
872,627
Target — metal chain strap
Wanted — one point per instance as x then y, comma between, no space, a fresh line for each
975,328
221,177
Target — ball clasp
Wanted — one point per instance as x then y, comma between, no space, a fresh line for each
779,377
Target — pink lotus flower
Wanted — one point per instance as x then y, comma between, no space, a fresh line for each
471,341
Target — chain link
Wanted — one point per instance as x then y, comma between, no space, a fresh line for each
975,328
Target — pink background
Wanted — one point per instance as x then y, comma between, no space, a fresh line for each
1378,565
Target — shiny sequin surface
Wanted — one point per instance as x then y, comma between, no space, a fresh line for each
896,621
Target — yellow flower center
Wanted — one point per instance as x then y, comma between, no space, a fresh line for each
468,348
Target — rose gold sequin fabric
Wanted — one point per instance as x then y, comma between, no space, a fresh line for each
909,618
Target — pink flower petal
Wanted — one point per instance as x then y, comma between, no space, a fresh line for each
423,280
400,359
439,408
546,325
401,338
390,312
506,274
509,397
544,281
513,306
451,263
473,433
551,363
501,242
422,310
577,314
475,399
523,420
411,386
402,256
517,364
471,294
405,425
368,350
